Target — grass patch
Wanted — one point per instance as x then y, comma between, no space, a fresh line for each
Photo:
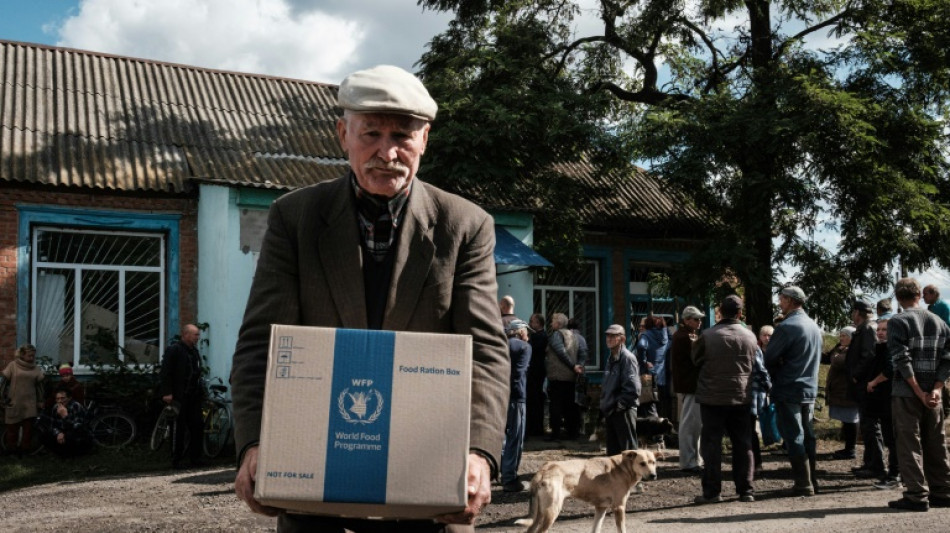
46,467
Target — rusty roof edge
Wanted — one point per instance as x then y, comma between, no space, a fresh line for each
165,63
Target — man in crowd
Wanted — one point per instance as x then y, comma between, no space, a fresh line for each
726,357
507,307
935,304
685,375
876,410
534,405
520,353
792,359
181,384
859,363
620,393
67,434
378,249
563,366
917,342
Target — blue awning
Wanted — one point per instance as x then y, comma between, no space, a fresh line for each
511,251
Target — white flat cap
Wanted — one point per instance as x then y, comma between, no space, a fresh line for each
386,89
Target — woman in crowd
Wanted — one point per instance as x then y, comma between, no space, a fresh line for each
22,397
651,354
841,406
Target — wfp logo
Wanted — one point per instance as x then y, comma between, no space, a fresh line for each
364,405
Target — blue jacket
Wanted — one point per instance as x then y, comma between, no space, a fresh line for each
651,348
792,359
520,353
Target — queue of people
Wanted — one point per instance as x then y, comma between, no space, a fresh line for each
886,383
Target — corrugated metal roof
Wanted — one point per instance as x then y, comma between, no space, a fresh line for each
636,202
75,118
83,119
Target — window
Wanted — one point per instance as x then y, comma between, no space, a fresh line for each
97,296
574,292
650,294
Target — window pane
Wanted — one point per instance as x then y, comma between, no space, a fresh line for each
585,312
557,302
98,248
142,317
55,314
99,317
583,276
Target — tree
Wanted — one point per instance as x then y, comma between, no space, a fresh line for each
775,138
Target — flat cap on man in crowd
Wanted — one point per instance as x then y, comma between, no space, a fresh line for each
794,293
863,306
692,312
615,329
731,305
386,89
517,324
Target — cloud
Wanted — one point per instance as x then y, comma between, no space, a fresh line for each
259,36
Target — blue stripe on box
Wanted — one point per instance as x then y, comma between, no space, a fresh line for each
358,446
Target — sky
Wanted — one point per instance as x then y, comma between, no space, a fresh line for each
315,40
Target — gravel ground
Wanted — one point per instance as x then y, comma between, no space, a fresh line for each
202,500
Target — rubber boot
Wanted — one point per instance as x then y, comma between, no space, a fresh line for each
802,475
812,467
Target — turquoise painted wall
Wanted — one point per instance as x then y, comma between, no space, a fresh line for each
520,285
224,274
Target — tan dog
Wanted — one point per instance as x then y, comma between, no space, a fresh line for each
604,482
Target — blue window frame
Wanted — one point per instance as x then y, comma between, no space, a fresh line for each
110,281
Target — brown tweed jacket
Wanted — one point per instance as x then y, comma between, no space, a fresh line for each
310,273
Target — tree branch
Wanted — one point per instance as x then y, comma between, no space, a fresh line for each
802,34
646,95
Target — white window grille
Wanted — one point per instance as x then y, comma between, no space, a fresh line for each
116,281
576,293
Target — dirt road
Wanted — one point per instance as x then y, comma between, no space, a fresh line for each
203,501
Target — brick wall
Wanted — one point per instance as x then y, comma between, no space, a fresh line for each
107,201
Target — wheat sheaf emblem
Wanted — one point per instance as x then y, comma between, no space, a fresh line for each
360,406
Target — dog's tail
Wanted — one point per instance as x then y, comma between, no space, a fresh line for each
532,508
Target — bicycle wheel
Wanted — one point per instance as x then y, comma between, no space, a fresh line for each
217,431
113,430
162,430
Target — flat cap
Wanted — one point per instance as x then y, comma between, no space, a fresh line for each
386,89
692,312
615,329
517,324
794,292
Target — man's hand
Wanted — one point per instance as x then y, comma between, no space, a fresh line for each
244,483
578,369
479,491
60,438
167,399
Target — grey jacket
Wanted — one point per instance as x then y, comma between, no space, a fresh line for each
793,357
725,355
621,386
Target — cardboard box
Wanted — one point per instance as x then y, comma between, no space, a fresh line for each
365,423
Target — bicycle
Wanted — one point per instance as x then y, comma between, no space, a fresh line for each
218,421
111,427
164,427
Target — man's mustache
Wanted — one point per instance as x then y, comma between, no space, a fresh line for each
390,166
